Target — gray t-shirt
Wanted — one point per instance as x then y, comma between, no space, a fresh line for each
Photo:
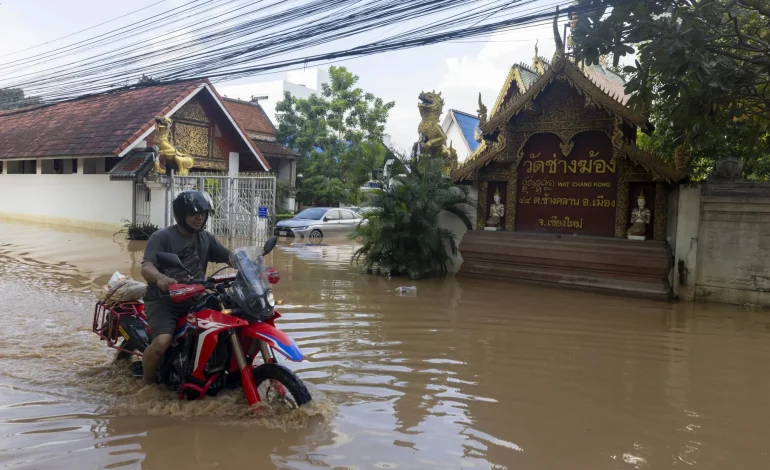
195,252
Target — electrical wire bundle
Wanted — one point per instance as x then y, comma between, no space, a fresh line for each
230,39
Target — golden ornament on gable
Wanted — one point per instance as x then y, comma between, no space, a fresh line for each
192,111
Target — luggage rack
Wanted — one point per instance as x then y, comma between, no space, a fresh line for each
108,322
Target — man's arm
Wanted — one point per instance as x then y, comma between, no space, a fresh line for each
150,272
219,254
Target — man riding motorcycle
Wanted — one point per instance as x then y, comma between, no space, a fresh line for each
195,247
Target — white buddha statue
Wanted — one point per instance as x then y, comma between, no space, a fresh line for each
640,217
496,212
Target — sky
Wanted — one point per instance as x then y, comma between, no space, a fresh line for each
460,70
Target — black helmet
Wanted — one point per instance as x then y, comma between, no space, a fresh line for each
189,203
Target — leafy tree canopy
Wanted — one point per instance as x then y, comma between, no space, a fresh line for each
339,132
702,70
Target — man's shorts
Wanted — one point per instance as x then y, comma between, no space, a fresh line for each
162,318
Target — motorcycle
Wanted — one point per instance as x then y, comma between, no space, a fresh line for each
218,344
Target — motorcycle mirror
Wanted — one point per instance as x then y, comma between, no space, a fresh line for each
269,246
170,260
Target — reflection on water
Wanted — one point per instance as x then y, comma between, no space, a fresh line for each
467,374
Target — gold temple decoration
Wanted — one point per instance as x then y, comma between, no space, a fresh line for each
432,136
174,159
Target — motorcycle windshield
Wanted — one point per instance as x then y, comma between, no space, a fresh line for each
249,288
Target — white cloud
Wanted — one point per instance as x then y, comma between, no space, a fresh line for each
463,77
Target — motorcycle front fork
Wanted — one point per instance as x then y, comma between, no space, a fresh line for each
247,379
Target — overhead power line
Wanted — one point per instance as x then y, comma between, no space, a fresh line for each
241,38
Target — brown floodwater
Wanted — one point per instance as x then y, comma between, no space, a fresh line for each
466,374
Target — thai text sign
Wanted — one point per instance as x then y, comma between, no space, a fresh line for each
567,194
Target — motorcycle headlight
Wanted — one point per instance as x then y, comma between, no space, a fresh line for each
270,299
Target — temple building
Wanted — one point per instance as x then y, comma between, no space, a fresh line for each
564,194
461,128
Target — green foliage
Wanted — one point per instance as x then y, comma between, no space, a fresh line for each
736,140
339,132
282,191
402,235
13,98
138,231
703,69
280,217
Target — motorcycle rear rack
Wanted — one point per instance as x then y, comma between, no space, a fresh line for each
112,329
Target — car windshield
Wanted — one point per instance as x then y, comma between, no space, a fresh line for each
311,214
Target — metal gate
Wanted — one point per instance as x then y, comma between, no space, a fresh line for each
244,206
141,204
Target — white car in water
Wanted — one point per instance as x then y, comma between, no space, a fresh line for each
315,223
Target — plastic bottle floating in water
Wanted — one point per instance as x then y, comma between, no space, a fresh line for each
403,290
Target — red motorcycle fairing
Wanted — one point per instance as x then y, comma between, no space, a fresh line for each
210,323
280,341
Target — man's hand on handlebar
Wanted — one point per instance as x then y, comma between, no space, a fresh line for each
164,282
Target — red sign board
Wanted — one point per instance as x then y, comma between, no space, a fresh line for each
573,194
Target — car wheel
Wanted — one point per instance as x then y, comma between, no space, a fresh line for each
316,236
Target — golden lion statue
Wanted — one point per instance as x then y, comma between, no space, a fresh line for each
174,159
432,135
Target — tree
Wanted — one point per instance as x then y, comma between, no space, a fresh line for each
735,140
402,235
702,68
12,98
339,133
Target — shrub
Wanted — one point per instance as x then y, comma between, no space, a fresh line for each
402,235
280,217
138,231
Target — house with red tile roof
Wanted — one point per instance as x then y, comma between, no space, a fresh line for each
260,129
78,162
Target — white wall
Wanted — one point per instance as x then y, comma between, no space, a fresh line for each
723,243
454,135
90,201
452,222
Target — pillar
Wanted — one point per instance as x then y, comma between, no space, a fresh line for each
688,224
81,165
158,204
39,166
234,163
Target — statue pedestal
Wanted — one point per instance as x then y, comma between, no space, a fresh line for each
637,237
493,229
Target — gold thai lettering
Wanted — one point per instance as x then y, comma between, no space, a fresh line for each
601,166
551,164
556,222
538,186
601,201
570,166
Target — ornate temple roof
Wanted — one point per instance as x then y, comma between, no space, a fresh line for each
596,83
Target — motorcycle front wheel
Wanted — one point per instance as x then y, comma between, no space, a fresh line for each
277,384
